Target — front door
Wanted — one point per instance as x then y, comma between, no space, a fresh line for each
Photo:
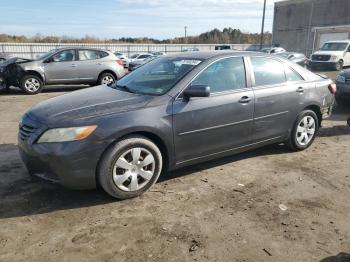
61,68
219,123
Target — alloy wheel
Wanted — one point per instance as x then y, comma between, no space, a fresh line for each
107,80
32,84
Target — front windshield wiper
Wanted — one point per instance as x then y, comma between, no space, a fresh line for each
126,88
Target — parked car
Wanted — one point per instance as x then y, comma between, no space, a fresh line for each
297,58
172,112
122,57
273,50
138,59
139,62
333,54
191,49
343,87
74,65
157,53
222,47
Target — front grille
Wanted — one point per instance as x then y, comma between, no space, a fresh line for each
25,131
347,80
320,57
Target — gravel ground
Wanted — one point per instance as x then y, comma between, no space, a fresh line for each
264,205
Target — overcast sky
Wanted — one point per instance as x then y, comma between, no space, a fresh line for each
159,19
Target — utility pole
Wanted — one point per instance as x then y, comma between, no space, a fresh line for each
262,26
185,34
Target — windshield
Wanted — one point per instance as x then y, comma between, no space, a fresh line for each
46,55
134,56
158,76
334,46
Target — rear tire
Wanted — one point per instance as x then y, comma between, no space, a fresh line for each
106,79
130,167
31,84
304,131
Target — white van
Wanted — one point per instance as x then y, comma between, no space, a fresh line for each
335,54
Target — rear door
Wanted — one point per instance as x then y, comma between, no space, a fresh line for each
347,57
90,64
219,123
279,92
61,67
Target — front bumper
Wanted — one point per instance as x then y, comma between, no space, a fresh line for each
322,64
72,164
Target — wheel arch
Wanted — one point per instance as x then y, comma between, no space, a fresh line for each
317,110
155,138
107,71
33,72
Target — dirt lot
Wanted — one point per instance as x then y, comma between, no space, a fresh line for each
224,210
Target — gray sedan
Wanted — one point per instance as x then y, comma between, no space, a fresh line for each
172,112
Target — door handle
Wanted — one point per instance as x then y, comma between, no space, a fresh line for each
245,100
300,90
74,65
100,63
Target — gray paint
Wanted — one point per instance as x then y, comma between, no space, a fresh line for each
192,130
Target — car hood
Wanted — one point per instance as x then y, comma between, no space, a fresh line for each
337,53
85,104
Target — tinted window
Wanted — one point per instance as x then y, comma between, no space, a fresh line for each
224,75
89,55
158,76
103,54
64,56
291,75
267,71
143,56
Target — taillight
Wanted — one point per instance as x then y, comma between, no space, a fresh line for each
119,62
332,88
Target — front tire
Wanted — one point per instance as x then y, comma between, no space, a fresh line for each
31,84
130,167
304,131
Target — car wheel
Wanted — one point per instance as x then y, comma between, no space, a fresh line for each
339,65
130,167
106,79
304,131
31,84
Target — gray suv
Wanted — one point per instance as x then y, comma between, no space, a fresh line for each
71,66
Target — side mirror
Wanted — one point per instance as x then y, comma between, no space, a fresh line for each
196,91
48,60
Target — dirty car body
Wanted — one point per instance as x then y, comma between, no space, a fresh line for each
244,111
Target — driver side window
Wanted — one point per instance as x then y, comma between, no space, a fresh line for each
64,56
224,75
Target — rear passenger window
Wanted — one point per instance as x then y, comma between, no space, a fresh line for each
103,54
291,75
267,71
223,75
89,55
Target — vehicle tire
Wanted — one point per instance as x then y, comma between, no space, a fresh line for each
339,65
130,167
304,131
106,79
31,84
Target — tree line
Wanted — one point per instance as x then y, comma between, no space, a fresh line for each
215,36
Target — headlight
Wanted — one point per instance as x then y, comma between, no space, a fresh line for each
340,79
66,134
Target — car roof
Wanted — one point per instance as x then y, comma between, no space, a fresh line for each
79,47
204,55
